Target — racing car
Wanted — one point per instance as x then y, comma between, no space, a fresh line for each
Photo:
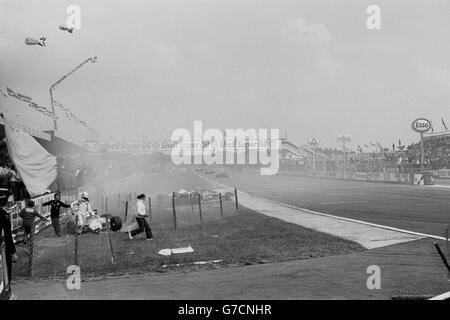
221,174
95,223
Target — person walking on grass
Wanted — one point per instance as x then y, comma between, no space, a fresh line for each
28,214
141,214
56,205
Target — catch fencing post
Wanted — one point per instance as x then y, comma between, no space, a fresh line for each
126,210
442,256
30,251
236,198
446,242
76,240
131,203
109,240
192,203
174,212
106,204
220,202
200,207
118,201
150,208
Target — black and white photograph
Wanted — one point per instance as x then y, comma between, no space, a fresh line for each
223,155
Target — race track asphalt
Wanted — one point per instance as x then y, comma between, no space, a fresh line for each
424,209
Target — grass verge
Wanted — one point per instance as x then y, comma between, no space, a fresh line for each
241,239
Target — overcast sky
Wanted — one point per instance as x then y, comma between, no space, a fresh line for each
309,67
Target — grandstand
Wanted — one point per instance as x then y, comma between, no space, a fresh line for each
436,150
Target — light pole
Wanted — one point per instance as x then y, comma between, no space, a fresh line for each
92,60
314,143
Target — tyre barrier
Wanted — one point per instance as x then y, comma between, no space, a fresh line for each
115,223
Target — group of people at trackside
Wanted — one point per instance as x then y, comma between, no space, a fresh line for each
81,208
29,213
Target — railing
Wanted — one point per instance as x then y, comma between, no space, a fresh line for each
16,221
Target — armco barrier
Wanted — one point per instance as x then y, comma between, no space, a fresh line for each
390,177
400,178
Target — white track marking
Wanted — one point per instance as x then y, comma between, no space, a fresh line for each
443,296
344,202
442,186
424,235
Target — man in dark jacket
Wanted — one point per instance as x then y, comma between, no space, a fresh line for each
5,229
56,205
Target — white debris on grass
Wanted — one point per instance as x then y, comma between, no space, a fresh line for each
207,262
168,252
192,263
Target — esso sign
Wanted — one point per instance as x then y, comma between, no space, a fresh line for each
421,125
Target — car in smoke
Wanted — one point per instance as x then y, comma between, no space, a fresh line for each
209,171
184,197
213,194
221,174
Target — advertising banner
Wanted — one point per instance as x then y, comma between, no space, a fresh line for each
391,177
361,176
444,173
404,178
418,179
375,176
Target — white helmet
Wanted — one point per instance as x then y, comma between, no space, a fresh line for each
84,195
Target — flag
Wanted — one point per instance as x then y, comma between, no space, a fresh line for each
33,105
23,97
11,92
61,106
444,123
36,166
